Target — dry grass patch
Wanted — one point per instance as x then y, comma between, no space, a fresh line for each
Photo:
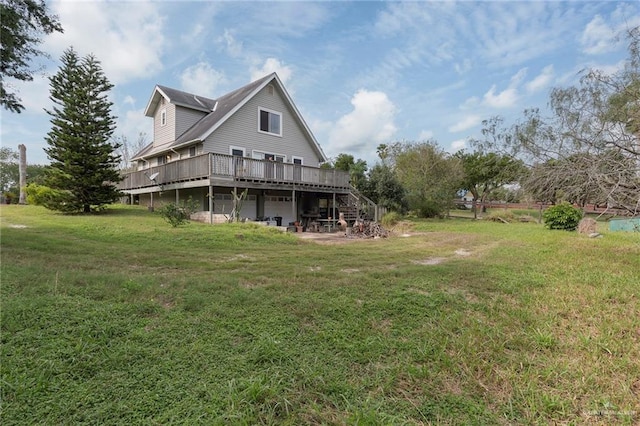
430,261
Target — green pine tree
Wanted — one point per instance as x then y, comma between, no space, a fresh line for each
83,169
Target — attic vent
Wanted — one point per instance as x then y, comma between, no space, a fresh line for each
161,100
270,89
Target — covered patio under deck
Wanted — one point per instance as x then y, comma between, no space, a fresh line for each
210,179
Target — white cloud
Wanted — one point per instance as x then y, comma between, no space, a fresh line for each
518,77
370,123
597,37
34,94
511,33
466,123
201,79
129,100
463,67
505,99
541,81
132,123
320,127
425,135
128,41
24,131
457,145
286,18
499,33
603,33
233,46
272,65
414,17
196,32
508,97
611,69
470,103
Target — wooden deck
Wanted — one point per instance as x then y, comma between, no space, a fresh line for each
228,170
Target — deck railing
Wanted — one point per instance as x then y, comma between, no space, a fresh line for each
238,168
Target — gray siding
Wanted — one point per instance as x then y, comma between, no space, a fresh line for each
241,130
184,152
185,118
164,134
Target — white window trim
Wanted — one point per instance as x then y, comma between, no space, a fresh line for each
293,158
270,111
163,118
239,148
167,158
259,155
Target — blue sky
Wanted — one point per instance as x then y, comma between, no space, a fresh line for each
361,73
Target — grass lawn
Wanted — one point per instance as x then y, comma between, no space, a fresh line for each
119,318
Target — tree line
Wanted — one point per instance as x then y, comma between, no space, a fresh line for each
585,150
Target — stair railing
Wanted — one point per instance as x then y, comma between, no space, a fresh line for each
363,202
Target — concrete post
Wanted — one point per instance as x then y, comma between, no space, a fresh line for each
211,204
23,173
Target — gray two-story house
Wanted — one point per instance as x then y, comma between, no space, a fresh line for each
254,139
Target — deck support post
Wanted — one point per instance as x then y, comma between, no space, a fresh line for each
294,206
211,204
260,197
333,207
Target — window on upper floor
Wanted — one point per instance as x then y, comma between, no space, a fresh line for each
163,117
236,151
192,151
164,159
274,157
270,122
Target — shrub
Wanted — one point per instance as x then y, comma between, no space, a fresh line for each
177,215
52,199
562,216
390,219
430,209
10,197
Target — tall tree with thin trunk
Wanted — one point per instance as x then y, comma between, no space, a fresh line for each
84,167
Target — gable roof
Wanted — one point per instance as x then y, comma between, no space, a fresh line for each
177,97
219,110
